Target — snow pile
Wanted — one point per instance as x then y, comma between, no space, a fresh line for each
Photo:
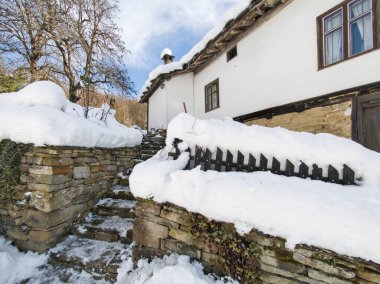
301,211
178,65
41,114
321,149
16,266
171,269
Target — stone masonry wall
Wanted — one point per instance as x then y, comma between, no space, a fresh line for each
334,119
55,187
252,258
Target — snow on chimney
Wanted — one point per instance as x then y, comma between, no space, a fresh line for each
167,56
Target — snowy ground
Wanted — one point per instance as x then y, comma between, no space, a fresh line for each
341,218
41,114
16,266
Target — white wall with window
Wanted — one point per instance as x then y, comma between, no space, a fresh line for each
278,62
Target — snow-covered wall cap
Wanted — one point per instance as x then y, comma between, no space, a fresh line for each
41,93
166,51
321,149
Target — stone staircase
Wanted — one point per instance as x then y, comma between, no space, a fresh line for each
152,143
102,242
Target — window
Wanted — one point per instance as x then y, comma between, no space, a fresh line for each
212,95
231,53
346,31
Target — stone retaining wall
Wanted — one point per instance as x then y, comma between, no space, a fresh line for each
52,188
334,119
252,258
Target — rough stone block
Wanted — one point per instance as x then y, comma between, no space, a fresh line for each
292,267
180,248
48,202
158,220
143,226
182,218
82,172
47,170
47,187
181,236
274,279
57,161
49,179
146,240
17,234
148,208
323,266
369,276
318,275
49,236
43,220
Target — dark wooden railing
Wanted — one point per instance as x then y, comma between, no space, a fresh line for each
204,158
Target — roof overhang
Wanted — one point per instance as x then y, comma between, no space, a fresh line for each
256,12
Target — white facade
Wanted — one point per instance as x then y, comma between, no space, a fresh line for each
168,100
277,64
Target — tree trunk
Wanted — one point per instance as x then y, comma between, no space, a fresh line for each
73,95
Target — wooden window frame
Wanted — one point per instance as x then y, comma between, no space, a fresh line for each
208,107
232,53
345,6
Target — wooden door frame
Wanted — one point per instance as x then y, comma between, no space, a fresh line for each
357,116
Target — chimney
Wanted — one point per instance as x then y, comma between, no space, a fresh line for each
167,56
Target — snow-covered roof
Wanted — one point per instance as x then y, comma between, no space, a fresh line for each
166,51
235,21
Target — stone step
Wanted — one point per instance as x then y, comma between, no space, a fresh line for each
115,207
106,228
120,192
100,259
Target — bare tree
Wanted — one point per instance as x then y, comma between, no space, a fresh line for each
23,37
89,45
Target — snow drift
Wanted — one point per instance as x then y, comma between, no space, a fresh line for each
41,114
341,218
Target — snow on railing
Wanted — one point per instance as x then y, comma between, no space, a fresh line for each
214,161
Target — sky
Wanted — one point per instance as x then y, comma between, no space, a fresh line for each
149,26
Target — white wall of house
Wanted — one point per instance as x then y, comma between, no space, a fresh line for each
277,63
167,102
157,117
179,90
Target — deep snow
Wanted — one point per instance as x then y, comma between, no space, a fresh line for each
41,114
17,266
341,218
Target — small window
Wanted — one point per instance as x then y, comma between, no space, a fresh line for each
346,31
212,95
231,53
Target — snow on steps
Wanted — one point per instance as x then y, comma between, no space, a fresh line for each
99,244
106,228
100,259
115,207
152,143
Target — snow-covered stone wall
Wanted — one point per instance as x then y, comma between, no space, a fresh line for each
47,189
254,257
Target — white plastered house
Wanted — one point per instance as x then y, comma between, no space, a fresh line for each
307,65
